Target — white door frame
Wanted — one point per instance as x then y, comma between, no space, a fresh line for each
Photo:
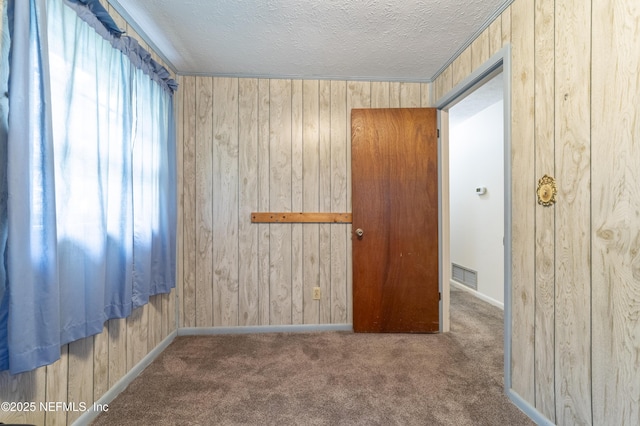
500,62
496,64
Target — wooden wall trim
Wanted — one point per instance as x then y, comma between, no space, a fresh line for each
299,217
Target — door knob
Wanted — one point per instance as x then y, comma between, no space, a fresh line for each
359,232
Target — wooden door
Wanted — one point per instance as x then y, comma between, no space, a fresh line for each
395,204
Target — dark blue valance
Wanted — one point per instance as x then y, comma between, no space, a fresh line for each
101,13
92,12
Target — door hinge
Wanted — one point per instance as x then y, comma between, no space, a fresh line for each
439,296
438,130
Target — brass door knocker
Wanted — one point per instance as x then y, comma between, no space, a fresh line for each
546,191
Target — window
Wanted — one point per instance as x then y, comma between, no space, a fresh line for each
91,189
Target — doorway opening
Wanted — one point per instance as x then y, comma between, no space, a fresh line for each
497,67
476,192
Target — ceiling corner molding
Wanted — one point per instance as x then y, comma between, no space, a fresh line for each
474,36
305,77
125,15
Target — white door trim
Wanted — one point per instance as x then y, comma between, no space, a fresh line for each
500,62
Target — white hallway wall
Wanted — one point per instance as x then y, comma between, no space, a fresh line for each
477,221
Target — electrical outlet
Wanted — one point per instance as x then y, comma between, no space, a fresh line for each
316,293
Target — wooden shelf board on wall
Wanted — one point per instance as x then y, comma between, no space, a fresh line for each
290,217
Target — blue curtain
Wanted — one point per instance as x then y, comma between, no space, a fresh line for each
90,182
30,306
4,127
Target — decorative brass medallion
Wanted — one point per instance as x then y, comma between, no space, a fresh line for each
546,191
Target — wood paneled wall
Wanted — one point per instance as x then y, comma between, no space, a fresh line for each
575,281
615,211
89,367
270,145
260,145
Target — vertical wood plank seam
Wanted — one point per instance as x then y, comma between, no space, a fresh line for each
180,290
535,222
590,209
358,89
268,295
555,223
238,197
347,144
195,207
266,139
291,260
318,181
328,197
591,199
68,370
302,228
105,329
185,227
257,198
259,171
213,199
319,200
258,179
471,49
259,191
346,180
265,275
180,301
330,281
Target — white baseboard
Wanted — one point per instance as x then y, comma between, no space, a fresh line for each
93,411
477,294
88,416
528,409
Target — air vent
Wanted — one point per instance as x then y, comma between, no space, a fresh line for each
464,276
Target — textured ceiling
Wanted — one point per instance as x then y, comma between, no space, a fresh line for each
483,97
346,39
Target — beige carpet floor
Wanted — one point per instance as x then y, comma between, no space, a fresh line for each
334,378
